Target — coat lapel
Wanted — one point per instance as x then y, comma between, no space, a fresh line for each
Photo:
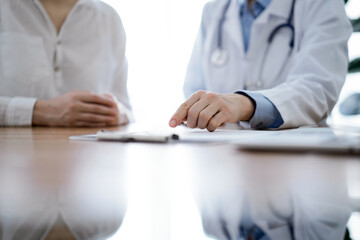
278,8
232,26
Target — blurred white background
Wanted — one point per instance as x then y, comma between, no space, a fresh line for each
160,36
352,84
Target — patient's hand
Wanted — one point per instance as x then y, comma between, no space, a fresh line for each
121,117
76,109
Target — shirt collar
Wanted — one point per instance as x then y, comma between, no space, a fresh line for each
263,3
90,3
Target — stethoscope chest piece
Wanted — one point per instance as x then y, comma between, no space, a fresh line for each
219,57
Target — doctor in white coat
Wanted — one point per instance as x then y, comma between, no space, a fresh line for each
272,63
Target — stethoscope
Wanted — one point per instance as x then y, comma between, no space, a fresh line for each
220,56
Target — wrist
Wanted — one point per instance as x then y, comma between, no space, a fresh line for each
39,116
247,106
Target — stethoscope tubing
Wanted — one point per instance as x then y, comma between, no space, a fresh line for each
221,24
288,25
272,35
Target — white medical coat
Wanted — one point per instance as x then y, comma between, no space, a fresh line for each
305,85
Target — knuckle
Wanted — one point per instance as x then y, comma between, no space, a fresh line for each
72,107
211,96
94,98
200,92
204,116
185,106
192,113
191,122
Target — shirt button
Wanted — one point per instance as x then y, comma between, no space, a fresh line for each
58,42
57,69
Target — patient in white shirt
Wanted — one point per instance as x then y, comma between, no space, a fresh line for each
62,63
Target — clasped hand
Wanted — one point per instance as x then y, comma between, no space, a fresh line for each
78,109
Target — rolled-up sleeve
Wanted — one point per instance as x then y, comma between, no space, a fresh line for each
16,111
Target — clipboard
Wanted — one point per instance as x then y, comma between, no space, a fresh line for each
104,135
118,136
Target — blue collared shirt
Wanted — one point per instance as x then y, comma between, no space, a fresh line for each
266,114
247,17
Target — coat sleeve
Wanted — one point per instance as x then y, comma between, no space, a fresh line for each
316,78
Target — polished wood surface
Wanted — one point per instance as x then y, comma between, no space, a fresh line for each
157,185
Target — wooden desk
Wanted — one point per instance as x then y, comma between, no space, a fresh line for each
154,191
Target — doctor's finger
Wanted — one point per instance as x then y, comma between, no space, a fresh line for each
97,109
216,121
182,112
194,113
206,115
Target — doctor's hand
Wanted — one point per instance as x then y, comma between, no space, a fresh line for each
76,109
210,110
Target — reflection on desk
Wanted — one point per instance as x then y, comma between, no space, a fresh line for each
53,190
51,187
272,196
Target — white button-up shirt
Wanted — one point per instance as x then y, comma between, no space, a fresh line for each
36,62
